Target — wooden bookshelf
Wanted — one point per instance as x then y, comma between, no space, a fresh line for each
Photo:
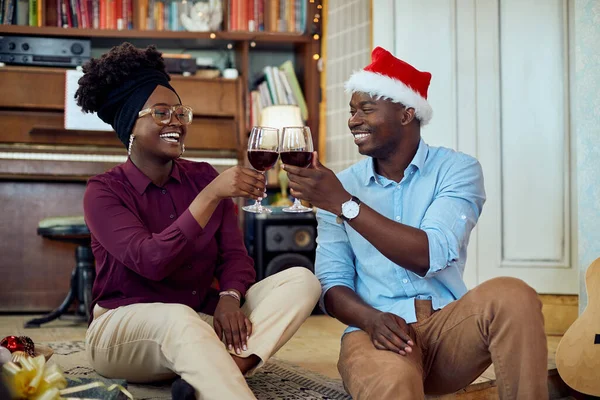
304,46
53,31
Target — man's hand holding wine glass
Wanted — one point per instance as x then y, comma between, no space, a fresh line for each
317,185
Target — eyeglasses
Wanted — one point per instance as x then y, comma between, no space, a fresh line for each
162,114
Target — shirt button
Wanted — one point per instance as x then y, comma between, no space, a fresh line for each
404,280
463,217
397,218
194,292
172,216
188,266
164,191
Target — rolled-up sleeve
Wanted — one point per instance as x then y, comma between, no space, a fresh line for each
453,214
334,263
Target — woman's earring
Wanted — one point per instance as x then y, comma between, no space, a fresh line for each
131,137
182,149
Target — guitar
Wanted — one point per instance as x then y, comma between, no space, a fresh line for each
578,353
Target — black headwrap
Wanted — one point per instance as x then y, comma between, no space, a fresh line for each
124,102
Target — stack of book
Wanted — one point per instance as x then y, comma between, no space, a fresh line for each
278,85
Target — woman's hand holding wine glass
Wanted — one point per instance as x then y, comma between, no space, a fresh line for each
238,182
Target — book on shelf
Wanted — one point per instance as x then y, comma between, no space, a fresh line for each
266,15
21,12
278,85
281,16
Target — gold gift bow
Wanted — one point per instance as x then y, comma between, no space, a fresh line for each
37,381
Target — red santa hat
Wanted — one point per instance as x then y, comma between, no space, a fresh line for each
391,78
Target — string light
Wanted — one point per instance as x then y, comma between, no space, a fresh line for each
252,44
316,36
213,35
229,46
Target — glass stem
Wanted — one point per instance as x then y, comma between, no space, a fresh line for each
258,203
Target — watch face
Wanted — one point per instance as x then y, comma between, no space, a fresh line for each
350,209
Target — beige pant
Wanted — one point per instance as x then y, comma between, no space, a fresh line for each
499,321
150,342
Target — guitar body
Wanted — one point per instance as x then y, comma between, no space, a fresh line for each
578,353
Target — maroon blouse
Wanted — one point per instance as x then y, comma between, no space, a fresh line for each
148,246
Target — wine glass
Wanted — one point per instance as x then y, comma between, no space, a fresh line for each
263,147
296,149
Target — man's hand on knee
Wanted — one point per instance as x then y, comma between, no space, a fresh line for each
389,332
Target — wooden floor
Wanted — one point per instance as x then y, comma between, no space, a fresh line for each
315,347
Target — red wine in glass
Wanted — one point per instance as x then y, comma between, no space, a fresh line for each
262,160
296,149
300,159
263,151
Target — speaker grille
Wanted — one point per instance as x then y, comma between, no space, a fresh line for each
290,238
288,260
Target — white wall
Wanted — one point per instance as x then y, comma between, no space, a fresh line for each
500,91
587,133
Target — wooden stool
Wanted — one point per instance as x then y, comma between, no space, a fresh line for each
73,230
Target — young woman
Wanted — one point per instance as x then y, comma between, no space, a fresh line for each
162,230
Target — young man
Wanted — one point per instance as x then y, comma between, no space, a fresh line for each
393,235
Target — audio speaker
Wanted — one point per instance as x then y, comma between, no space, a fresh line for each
279,241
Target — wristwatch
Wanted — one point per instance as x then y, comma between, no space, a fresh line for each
350,210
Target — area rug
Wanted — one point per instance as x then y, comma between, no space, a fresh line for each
277,380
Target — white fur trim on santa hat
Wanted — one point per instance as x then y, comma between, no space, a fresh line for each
378,85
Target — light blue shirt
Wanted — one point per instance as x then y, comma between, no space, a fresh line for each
442,193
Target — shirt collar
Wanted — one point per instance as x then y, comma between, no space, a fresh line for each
418,161
422,152
140,181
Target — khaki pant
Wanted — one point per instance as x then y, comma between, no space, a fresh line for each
499,321
150,342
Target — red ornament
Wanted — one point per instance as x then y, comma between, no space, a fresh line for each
12,343
21,343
